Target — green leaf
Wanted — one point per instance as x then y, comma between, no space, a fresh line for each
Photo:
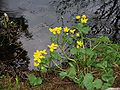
74,51
80,79
85,30
87,82
34,80
105,86
103,39
53,39
90,62
108,78
82,28
69,40
97,83
102,65
63,74
78,26
89,52
38,81
45,60
81,50
71,72
56,56
43,69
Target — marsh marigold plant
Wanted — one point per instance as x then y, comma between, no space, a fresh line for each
89,61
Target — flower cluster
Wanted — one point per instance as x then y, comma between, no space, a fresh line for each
79,44
55,30
84,18
52,47
38,56
67,29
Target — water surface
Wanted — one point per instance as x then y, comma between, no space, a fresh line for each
104,18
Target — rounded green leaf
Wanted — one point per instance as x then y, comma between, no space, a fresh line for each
87,82
73,51
105,86
63,74
97,83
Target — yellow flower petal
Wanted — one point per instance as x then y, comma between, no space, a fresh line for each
78,46
51,50
36,64
39,60
80,43
66,29
43,51
84,16
53,47
58,32
50,29
41,57
77,34
72,31
37,54
77,17
84,19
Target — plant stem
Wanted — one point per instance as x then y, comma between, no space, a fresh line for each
95,46
57,65
66,55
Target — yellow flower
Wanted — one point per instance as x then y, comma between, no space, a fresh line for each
72,31
36,64
77,34
58,29
77,17
79,44
84,19
37,54
39,61
43,51
55,30
66,29
53,47
52,30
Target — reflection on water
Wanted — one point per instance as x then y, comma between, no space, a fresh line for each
12,54
39,16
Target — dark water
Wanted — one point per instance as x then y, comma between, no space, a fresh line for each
104,18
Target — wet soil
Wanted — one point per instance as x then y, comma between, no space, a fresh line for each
51,82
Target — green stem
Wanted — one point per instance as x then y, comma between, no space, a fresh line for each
83,44
66,55
57,65
69,58
95,46
90,44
